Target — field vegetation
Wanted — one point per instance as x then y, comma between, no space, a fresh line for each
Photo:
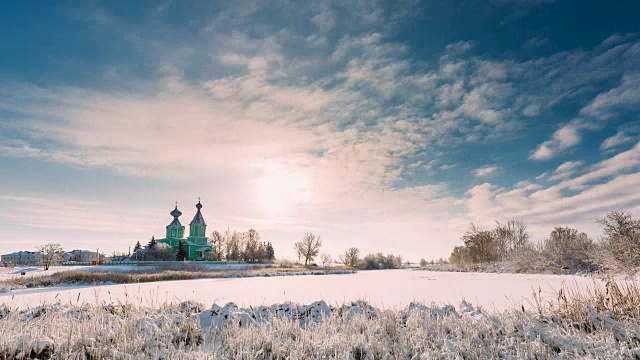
160,272
602,322
566,250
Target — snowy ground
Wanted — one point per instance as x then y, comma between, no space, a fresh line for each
382,289
313,331
55,322
7,273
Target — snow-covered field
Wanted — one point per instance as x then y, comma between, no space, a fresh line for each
382,289
29,271
397,319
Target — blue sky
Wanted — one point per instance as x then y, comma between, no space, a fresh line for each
389,126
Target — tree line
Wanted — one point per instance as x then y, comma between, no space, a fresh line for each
231,246
565,249
309,248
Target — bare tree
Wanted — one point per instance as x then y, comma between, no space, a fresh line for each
299,248
325,259
234,244
252,247
619,223
50,254
217,240
459,256
351,257
481,245
423,262
309,247
228,244
511,237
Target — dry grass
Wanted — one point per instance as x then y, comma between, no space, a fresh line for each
166,273
418,332
619,300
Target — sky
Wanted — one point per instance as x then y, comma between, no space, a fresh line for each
385,125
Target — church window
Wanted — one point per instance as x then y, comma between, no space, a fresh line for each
173,232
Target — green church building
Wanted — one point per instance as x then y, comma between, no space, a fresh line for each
197,244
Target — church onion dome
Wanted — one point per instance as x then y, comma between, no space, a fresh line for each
176,214
198,219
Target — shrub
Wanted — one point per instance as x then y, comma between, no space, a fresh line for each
379,261
351,257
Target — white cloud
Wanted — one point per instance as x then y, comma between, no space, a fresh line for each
616,140
611,167
565,137
607,104
543,152
324,18
486,102
447,166
486,171
56,213
531,110
450,95
577,201
565,170
459,47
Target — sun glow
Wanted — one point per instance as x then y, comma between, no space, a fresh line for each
279,191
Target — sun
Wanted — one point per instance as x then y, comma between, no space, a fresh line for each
280,191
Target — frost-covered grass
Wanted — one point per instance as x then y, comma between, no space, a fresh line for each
616,299
571,325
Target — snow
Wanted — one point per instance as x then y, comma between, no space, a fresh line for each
30,271
286,330
370,314
382,289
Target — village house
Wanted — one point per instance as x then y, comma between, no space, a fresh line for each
33,257
21,258
83,256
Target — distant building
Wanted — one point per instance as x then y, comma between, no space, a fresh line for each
83,256
21,258
196,244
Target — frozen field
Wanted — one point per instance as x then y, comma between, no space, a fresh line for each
7,273
382,289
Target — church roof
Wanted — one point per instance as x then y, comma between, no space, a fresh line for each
198,219
176,214
175,224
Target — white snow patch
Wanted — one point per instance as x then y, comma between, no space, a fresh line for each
384,288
